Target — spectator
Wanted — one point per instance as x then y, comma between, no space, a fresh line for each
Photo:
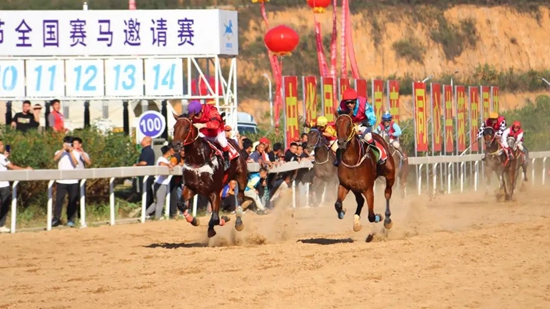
84,159
227,129
280,188
290,154
55,118
146,158
277,153
5,193
228,197
161,183
301,154
251,192
176,185
26,120
67,159
246,149
259,156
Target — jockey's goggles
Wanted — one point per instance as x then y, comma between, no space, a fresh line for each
350,102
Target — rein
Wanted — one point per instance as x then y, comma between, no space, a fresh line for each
349,138
190,134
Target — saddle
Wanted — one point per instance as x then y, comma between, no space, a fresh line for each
218,150
380,152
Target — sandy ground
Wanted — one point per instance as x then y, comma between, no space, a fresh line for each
456,251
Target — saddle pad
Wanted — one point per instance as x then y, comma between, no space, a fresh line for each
380,152
233,153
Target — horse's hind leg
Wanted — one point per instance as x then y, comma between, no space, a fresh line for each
215,219
241,185
342,192
387,194
186,195
356,218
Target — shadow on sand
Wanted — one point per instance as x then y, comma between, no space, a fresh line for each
177,245
325,241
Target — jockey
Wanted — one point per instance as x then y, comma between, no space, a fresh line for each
393,130
516,132
362,114
498,123
208,120
327,130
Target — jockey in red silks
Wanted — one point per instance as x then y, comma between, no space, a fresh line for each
208,120
498,123
516,132
362,114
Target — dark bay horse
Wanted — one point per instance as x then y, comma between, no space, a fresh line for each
403,167
497,162
325,173
203,172
357,171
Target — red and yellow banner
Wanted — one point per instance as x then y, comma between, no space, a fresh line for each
310,98
461,117
494,99
329,106
378,98
393,99
290,88
420,117
343,84
474,116
449,129
361,88
437,134
486,101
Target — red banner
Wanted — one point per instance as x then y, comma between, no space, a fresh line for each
474,116
329,106
361,88
437,134
461,117
310,98
494,98
392,92
290,84
420,117
378,98
486,100
343,84
449,129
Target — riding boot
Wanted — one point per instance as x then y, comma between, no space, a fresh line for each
226,162
338,155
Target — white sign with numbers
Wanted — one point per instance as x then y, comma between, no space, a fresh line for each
12,78
163,77
45,78
124,77
84,78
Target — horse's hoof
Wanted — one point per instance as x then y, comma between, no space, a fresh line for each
211,233
226,219
356,223
195,222
239,225
377,218
388,224
341,215
369,238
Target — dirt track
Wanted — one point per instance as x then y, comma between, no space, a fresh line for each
458,251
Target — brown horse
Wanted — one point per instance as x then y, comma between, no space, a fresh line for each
325,173
497,162
403,167
357,171
203,172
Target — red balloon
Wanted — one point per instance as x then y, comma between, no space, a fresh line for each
318,6
198,86
281,40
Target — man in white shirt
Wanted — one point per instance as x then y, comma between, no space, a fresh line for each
162,183
5,193
68,159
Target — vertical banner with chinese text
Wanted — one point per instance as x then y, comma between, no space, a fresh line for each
486,102
361,88
420,117
393,99
309,87
290,90
460,93
473,97
448,116
437,135
327,91
343,84
378,98
494,99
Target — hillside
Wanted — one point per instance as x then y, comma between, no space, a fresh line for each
491,45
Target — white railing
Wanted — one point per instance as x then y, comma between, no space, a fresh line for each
51,176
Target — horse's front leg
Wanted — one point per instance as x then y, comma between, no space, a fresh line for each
342,192
186,195
387,194
369,193
357,217
215,201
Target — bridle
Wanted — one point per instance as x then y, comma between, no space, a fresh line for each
352,129
192,134
321,142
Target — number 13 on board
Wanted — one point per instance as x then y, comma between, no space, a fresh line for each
163,77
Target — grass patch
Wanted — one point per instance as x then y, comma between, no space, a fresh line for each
455,38
410,49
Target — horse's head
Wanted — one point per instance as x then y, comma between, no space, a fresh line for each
314,139
385,136
184,132
345,130
511,142
488,136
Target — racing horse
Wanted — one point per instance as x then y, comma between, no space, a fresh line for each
521,162
497,162
403,167
324,172
203,171
357,171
